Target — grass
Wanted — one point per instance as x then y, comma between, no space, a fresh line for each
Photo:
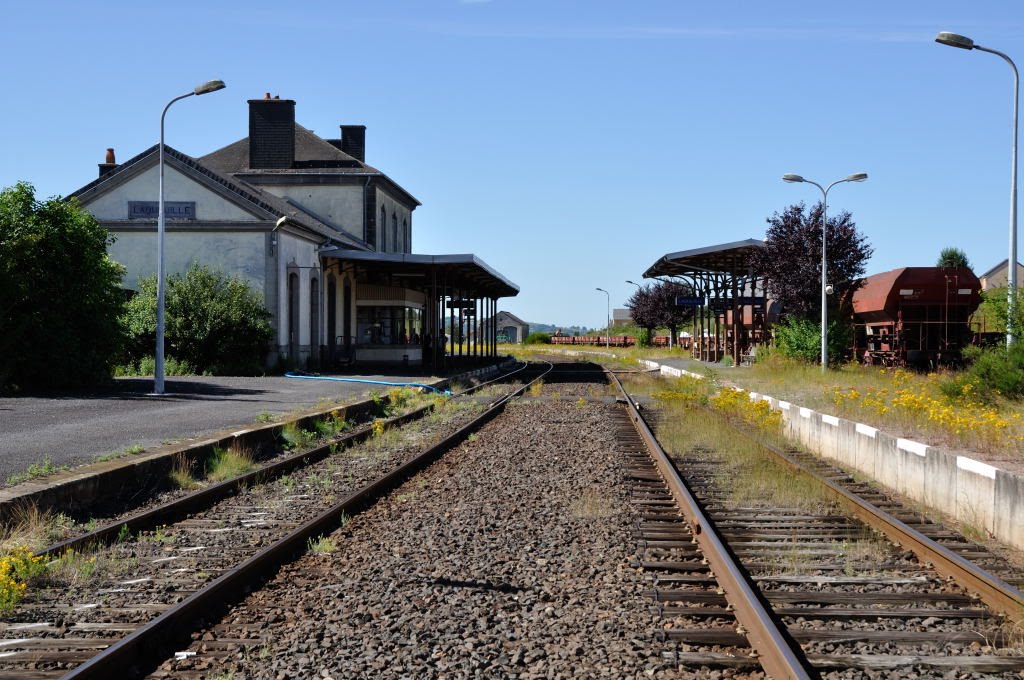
747,470
226,464
294,438
593,504
181,474
35,471
126,451
321,545
35,529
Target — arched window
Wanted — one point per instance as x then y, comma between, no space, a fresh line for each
406,236
383,230
314,320
394,233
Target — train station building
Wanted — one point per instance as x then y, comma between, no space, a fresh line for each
325,238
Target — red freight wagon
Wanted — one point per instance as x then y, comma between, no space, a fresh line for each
916,316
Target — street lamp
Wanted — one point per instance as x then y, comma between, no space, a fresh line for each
158,371
608,319
856,177
965,43
635,284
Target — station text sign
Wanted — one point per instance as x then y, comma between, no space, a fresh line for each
173,210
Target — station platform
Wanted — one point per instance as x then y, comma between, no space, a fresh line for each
75,428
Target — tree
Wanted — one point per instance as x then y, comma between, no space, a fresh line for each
791,260
60,295
215,323
655,306
953,257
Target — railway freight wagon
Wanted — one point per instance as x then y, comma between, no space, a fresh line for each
915,316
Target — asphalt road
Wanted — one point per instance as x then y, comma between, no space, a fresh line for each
71,429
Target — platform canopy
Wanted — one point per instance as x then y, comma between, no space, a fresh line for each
734,258
465,273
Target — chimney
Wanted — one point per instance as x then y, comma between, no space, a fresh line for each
353,141
271,133
109,163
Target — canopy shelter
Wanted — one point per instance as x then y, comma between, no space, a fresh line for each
728,296
419,308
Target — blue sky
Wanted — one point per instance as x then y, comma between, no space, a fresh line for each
568,144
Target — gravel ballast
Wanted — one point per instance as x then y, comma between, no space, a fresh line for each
510,557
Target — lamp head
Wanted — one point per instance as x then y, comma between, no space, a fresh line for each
955,40
209,86
857,177
790,177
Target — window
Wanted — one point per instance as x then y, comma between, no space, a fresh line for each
394,233
389,325
383,228
406,236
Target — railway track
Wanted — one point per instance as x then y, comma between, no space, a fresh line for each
835,598
175,563
795,591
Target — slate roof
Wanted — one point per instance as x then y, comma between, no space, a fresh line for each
264,201
313,155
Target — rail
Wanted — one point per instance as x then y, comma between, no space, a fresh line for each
779,655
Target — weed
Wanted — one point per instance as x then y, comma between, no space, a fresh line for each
127,451
581,403
405,497
592,504
321,545
265,417
344,519
471,438
288,482
228,464
181,473
377,428
295,438
35,529
36,470
123,534
536,387
72,567
17,568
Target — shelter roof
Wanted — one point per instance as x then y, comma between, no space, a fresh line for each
460,273
727,258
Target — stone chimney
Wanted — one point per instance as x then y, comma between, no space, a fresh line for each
353,141
271,132
109,163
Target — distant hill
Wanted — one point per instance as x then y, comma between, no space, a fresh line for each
566,330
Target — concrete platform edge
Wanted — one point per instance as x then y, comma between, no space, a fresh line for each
76,489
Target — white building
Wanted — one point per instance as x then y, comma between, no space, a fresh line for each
324,237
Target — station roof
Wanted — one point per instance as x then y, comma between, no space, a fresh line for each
462,273
726,258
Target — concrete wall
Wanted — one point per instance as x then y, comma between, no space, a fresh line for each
233,253
973,492
339,206
210,207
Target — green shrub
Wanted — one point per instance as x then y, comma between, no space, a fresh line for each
801,339
60,294
215,324
993,371
538,338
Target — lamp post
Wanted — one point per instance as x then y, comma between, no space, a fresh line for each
856,177
608,319
965,43
158,370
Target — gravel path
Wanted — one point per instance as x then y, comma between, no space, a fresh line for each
509,558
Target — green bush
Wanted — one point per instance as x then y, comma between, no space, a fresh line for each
801,339
60,295
214,323
538,338
993,371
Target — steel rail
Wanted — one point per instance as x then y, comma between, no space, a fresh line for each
178,508
777,652
146,647
992,590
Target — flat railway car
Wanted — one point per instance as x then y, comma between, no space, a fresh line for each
915,316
